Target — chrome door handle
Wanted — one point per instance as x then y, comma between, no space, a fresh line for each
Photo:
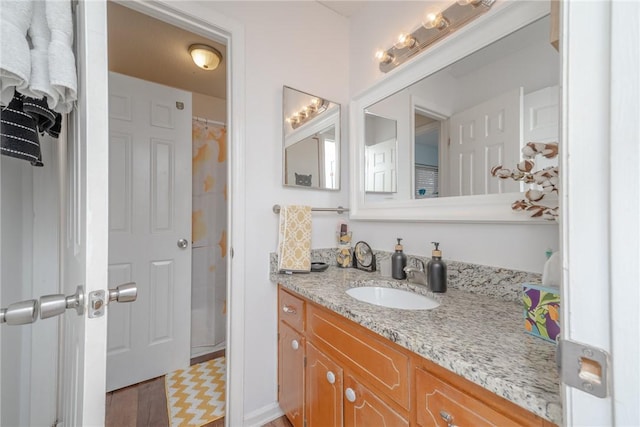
53,305
183,243
98,300
127,292
20,313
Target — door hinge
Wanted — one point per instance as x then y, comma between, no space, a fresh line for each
584,367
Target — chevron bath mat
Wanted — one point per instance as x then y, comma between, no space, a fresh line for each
196,396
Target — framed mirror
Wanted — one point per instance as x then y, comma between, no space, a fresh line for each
468,104
311,141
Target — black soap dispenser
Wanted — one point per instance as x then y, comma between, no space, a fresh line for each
437,271
398,263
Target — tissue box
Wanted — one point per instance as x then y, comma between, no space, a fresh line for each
541,311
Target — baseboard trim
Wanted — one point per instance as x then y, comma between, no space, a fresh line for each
262,416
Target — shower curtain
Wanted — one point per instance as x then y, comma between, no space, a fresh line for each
209,237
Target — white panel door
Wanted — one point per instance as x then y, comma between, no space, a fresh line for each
149,213
84,236
541,116
484,136
381,165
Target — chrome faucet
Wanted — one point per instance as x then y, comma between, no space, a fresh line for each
416,273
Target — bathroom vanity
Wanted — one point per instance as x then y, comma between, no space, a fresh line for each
465,362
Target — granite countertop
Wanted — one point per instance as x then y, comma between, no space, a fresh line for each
478,337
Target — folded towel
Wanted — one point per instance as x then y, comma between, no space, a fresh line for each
62,64
294,245
15,59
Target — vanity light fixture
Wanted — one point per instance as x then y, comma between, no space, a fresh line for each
204,56
315,107
435,26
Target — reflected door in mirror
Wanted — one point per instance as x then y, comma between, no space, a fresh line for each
381,147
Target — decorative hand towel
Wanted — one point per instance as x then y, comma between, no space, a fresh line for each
294,245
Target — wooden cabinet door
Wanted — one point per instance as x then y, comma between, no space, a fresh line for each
291,374
362,408
440,404
323,405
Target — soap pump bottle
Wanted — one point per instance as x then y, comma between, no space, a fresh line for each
398,263
437,271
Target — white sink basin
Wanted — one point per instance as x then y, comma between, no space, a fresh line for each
392,298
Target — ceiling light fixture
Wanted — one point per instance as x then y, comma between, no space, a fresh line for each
436,25
204,56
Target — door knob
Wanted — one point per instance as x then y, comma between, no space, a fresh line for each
127,292
183,243
53,305
20,313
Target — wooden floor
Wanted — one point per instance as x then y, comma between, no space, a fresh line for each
145,404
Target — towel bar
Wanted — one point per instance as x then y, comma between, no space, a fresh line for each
339,209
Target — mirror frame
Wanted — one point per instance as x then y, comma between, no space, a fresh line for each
502,20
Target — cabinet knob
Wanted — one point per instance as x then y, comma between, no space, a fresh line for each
288,309
447,418
331,377
350,394
294,344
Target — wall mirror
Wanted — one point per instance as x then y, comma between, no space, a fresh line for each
311,141
462,107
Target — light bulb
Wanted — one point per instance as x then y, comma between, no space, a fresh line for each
434,20
384,56
405,40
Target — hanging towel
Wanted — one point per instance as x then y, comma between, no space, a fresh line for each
20,123
62,63
40,36
15,58
18,135
294,245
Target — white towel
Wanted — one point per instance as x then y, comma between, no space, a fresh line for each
15,58
294,245
40,36
62,64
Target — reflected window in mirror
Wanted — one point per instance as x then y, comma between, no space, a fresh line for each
429,136
311,141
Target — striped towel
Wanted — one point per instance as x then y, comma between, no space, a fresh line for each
294,245
20,123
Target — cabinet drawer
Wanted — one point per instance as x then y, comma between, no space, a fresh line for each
372,359
291,310
440,404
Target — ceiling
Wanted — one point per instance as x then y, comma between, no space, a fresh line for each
149,49
344,8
